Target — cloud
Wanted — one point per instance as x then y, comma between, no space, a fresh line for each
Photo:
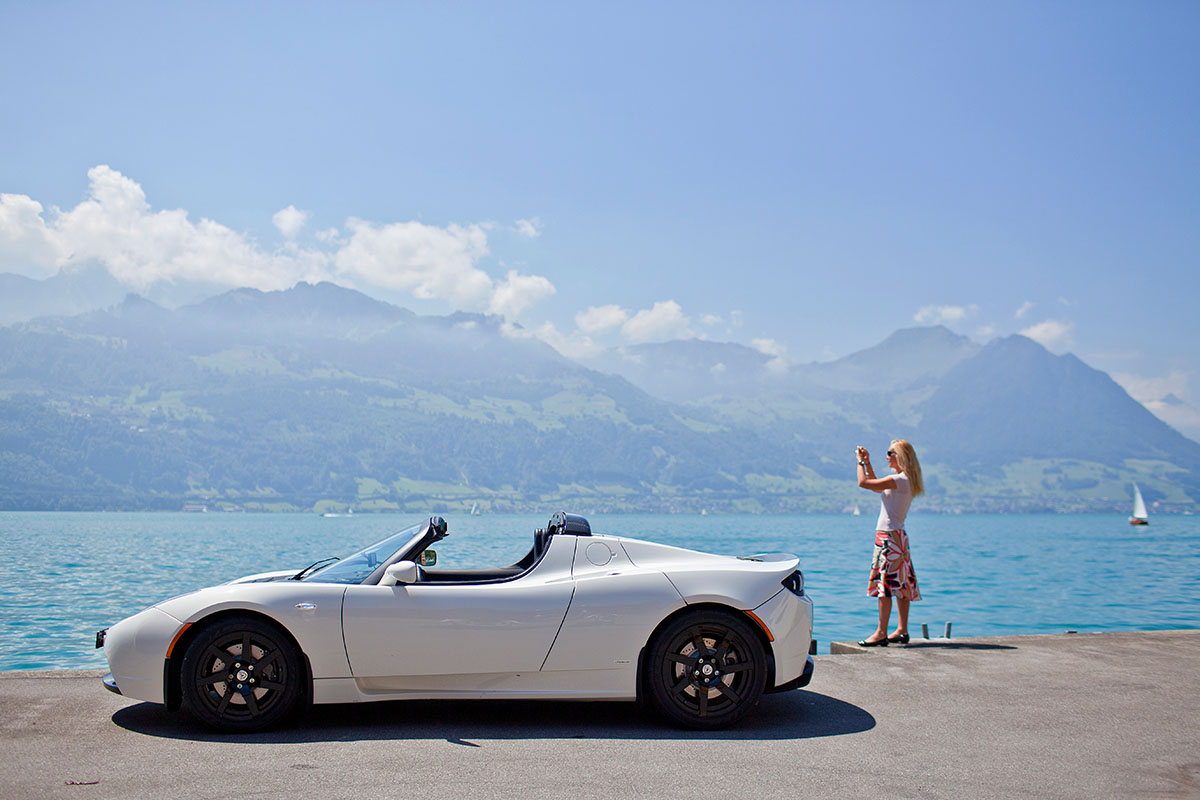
577,345
429,262
1025,308
289,221
518,292
709,320
1169,398
1149,390
944,315
768,347
1052,334
778,364
435,263
601,318
531,228
664,321
25,239
116,227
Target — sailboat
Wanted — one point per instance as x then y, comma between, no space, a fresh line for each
1139,508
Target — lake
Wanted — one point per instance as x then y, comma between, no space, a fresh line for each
66,575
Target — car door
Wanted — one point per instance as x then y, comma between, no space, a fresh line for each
458,629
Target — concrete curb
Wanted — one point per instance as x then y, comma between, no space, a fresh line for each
853,648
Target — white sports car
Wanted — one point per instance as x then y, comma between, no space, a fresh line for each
580,617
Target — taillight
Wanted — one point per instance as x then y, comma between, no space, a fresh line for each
795,583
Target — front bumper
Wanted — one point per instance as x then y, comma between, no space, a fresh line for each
110,683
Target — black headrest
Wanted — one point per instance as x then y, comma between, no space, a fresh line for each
571,524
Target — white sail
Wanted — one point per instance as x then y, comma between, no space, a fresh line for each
1139,505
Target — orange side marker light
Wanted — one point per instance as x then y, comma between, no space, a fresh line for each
761,624
178,636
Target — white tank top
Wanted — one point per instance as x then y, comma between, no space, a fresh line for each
894,506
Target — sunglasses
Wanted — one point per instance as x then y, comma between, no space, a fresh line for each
891,453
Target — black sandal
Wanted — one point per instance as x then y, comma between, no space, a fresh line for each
881,643
901,639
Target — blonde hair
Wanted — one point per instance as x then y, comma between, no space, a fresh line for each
906,459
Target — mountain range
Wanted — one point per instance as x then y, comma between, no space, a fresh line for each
321,398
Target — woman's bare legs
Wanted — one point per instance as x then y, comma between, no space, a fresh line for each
885,613
902,607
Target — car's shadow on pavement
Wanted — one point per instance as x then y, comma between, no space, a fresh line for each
792,715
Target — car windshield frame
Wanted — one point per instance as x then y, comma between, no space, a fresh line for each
357,567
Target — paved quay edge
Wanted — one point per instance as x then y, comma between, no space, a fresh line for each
853,648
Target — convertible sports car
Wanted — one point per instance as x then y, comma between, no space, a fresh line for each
580,617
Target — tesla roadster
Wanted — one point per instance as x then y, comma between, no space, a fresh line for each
581,617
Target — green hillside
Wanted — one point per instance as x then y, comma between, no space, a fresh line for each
319,398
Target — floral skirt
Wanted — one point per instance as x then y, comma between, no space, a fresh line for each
892,573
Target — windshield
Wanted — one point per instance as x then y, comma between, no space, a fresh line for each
355,568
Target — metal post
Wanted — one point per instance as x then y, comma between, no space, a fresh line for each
924,630
947,630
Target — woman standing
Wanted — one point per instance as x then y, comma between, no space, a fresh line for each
892,573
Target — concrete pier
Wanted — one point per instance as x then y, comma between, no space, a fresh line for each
1112,715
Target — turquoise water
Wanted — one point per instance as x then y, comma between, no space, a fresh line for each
66,575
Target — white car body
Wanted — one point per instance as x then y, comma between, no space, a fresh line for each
574,622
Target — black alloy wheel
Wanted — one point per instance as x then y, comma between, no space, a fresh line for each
240,674
706,669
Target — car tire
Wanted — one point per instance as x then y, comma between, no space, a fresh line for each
706,669
227,689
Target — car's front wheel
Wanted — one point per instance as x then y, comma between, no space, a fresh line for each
240,674
706,669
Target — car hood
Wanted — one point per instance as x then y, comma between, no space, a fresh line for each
263,577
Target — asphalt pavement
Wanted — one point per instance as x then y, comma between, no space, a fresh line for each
1112,715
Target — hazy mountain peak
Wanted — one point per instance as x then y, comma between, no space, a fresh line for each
923,335
134,303
323,299
1041,405
908,357
686,369
66,294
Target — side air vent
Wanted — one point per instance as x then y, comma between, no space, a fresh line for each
795,583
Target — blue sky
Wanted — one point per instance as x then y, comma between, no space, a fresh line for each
805,178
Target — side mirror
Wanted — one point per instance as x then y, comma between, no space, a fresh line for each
428,558
402,573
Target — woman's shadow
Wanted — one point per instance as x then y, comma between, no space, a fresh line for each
792,715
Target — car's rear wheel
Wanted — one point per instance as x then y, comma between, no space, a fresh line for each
240,674
706,669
